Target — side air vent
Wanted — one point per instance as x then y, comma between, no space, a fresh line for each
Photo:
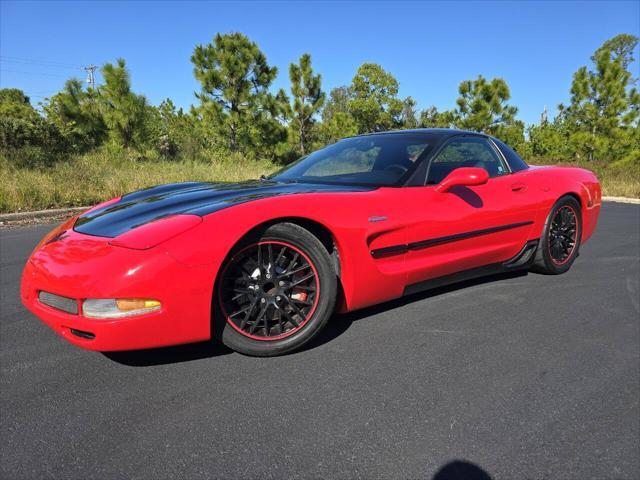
83,334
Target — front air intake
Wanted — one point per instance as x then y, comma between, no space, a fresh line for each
64,304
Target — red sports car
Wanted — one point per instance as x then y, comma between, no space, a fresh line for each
262,265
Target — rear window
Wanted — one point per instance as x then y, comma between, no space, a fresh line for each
513,159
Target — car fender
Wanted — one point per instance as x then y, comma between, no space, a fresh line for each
364,281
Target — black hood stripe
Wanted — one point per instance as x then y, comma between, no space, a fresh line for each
144,206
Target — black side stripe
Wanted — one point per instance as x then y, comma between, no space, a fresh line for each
397,249
385,251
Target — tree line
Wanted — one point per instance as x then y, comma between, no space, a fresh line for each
238,113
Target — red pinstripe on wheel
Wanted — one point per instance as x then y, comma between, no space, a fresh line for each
563,234
269,287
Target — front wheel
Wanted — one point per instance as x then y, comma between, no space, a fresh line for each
560,241
275,292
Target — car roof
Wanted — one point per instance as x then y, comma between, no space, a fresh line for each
442,132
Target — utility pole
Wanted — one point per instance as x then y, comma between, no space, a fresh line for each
90,69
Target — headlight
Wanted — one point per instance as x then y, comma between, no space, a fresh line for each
118,307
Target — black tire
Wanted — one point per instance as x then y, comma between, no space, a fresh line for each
254,336
559,244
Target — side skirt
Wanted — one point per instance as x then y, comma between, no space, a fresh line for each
521,261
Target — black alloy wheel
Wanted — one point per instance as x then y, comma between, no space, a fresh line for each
562,234
275,292
560,240
269,291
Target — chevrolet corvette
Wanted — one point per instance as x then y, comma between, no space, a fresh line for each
262,265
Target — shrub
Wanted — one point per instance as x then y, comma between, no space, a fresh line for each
35,142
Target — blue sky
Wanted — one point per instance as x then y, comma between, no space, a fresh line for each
428,46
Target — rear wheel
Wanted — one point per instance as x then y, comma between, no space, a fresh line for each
560,241
275,292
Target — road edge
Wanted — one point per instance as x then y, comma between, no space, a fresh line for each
7,219
622,200
35,214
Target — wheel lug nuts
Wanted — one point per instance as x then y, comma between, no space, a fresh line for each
262,300
268,275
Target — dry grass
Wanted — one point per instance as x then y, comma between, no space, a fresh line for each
96,177
89,179
619,179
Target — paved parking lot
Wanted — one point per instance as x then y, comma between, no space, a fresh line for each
525,376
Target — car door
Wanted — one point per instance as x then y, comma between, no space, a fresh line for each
468,226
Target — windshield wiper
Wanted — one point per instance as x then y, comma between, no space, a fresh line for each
265,179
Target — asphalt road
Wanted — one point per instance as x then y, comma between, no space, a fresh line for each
526,376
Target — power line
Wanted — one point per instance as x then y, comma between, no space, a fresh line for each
33,61
34,73
89,69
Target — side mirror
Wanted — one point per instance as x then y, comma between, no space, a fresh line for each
463,176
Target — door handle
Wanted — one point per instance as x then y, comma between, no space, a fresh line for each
518,187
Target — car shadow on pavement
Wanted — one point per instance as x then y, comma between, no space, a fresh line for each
166,355
338,324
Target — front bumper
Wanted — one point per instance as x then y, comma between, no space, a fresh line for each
80,266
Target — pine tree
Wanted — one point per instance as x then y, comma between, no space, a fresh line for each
235,98
308,99
482,106
123,111
620,47
605,104
76,112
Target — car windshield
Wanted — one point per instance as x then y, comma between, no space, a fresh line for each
368,160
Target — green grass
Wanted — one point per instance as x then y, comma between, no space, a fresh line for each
101,175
